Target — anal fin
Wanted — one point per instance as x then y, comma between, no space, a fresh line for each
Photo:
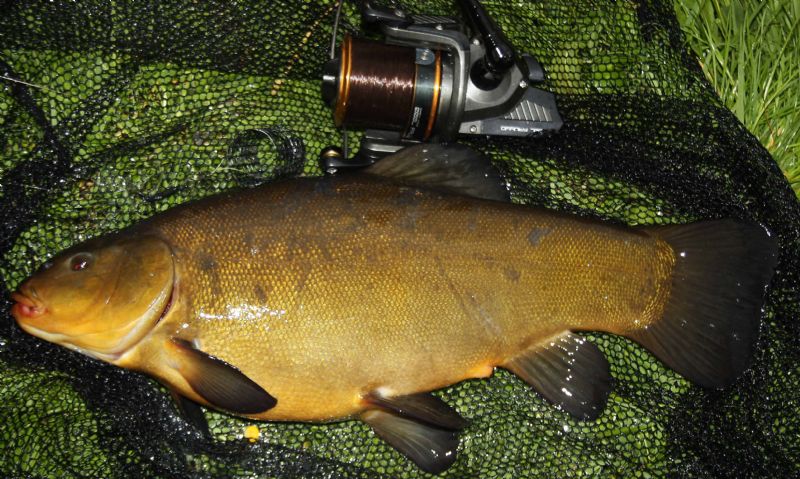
216,381
570,372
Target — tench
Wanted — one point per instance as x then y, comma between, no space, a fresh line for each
356,295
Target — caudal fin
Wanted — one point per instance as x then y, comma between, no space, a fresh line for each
711,321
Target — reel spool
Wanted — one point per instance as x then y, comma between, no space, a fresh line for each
374,85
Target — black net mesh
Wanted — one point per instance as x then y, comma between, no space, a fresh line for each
112,111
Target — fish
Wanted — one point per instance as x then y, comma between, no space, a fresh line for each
357,295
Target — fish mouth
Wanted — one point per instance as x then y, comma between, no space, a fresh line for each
25,306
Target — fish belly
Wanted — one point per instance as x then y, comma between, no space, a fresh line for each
325,290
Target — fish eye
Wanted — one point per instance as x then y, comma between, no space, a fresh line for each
79,262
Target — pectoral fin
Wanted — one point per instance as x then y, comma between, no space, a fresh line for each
191,412
216,381
431,448
570,372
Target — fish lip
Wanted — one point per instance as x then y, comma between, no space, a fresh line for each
26,306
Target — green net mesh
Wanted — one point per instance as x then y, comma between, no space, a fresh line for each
118,110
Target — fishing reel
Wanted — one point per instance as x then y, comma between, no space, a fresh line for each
430,81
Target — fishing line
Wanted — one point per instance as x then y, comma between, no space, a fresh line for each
14,80
377,84
336,28
336,20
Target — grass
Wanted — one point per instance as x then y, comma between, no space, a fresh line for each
750,52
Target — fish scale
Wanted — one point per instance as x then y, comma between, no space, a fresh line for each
391,287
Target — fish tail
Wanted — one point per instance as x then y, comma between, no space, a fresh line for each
711,321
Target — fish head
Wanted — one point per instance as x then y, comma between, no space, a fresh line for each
100,297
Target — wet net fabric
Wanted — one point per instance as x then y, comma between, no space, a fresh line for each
119,110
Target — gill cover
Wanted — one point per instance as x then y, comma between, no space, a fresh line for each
100,297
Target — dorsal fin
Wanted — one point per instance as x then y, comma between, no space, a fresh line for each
456,168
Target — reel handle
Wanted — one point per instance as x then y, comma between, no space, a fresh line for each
499,57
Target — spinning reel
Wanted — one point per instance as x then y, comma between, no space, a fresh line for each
430,81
